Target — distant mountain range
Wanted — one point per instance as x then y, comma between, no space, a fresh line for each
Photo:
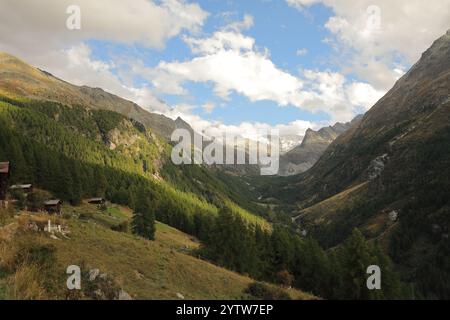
303,156
289,142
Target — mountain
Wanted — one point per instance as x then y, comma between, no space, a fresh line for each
20,79
73,150
302,157
389,176
289,142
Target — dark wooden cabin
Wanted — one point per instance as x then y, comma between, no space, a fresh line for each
98,201
53,206
4,176
25,188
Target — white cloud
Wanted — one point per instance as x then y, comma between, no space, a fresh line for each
246,23
363,94
374,37
231,62
333,93
250,73
300,4
41,25
208,107
221,41
301,52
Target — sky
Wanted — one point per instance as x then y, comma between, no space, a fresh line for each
228,64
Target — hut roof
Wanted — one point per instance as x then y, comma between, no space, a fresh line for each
21,186
95,199
53,202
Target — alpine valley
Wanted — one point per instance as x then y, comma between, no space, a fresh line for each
374,191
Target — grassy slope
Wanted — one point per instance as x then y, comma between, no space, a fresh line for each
146,269
328,208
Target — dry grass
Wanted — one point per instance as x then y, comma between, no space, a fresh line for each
328,209
145,269
25,284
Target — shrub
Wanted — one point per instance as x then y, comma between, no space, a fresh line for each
284,278
5,215
121,227
37,199
67,215
42,255
262,291
86,215
21,198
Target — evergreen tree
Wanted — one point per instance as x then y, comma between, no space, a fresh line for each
101,183
313,270
355,258
144,217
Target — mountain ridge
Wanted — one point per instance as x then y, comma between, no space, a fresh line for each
19,78
303,157
388,176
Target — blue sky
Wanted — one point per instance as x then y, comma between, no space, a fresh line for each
278,27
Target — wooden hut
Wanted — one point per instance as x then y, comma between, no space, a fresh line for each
25,188
97,201
53,206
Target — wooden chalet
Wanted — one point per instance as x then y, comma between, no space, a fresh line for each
53,206
4,176
25,188
98,201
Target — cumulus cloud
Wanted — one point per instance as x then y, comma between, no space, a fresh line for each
301,52
250,73
41,25
208,107
232,62
300,4
377,38
331,92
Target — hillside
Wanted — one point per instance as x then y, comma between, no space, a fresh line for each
19,79
400,150
162,269
110,141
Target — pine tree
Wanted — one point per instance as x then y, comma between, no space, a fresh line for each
356,256
144,217
312,269
101,183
